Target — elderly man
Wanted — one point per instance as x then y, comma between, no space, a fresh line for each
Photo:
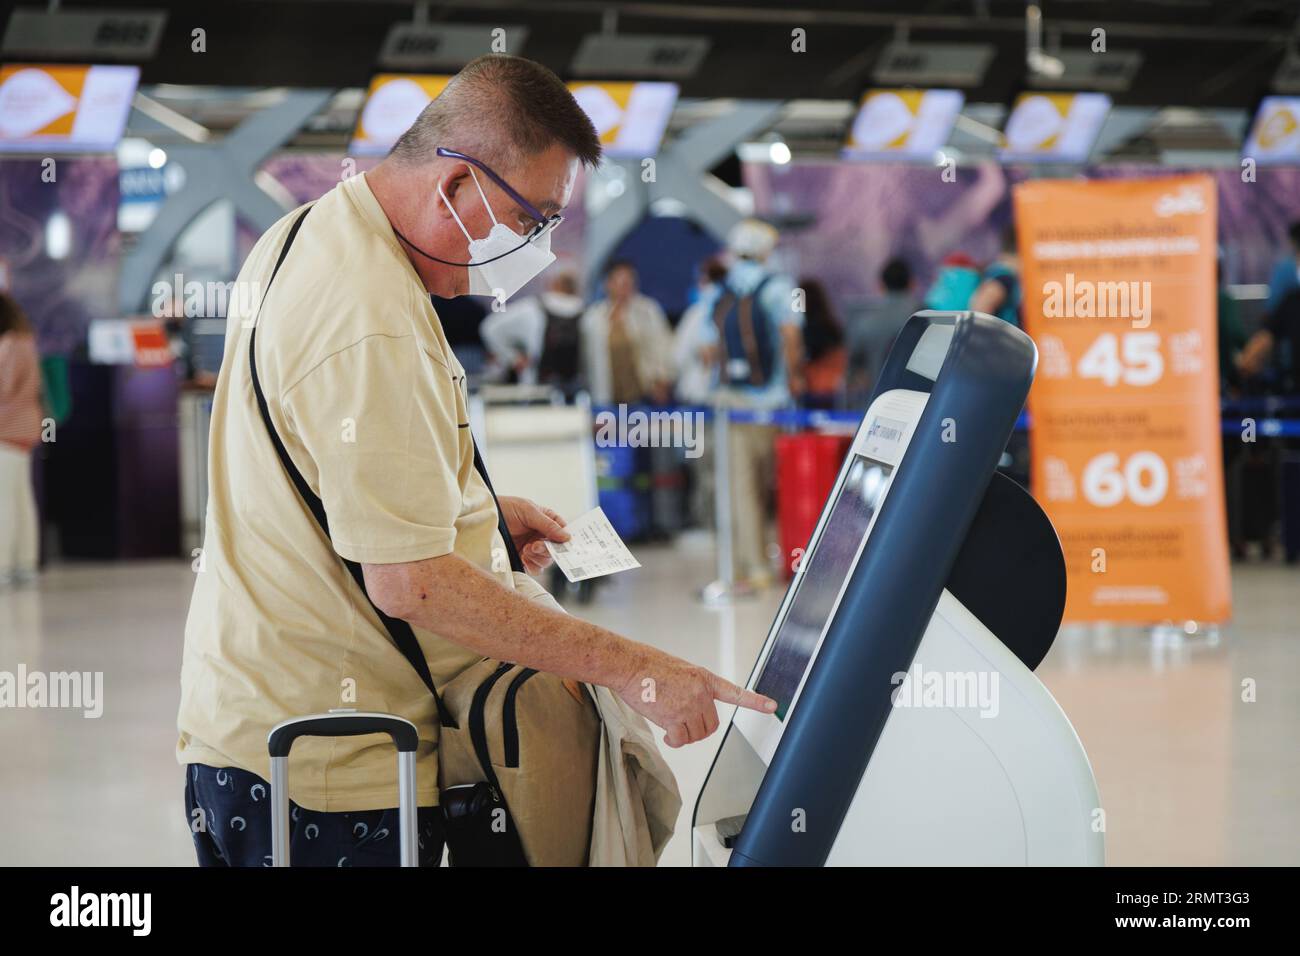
355,377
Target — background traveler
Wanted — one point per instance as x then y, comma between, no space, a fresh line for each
20,432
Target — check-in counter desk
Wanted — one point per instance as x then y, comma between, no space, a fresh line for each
112,476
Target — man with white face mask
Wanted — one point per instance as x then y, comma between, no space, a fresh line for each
343,363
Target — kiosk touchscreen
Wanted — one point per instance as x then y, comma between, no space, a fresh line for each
909,726
837,541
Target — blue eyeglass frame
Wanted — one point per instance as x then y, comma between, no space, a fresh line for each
544,222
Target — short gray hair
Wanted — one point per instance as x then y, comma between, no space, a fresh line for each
502,110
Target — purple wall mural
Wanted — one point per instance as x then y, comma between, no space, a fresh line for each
865,214
61,295
860,216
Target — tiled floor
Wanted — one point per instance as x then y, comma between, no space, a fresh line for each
1189,773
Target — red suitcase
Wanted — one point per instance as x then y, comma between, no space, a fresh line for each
806,467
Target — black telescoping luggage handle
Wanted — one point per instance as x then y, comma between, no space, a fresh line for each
400,631
281,739
344,723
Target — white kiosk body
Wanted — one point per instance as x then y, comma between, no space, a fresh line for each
910,728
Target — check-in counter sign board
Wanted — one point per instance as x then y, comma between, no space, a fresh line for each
630,118
1119,295
393,102
903,124
58,108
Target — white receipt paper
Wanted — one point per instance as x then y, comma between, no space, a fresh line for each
593,549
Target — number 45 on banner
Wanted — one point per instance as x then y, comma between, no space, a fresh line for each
1133,359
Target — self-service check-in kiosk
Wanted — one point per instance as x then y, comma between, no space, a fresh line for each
910,728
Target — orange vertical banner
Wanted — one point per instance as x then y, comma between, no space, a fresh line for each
1119,294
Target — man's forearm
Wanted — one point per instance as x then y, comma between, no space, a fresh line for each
459,601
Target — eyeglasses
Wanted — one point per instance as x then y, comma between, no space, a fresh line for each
542,223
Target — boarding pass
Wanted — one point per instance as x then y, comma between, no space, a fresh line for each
594,548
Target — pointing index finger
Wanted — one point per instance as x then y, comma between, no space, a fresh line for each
726,691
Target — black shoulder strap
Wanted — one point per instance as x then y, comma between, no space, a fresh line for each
400,631
758,289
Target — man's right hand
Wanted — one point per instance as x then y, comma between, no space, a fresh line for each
679,696
456,599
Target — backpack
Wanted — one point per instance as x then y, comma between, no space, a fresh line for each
558,363
747,334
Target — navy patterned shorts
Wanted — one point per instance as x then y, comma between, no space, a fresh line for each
229,815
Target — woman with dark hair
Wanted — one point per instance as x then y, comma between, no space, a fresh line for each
20,430
823,342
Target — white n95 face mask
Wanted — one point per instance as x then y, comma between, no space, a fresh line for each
502,262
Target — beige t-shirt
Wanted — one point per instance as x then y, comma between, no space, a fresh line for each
370,403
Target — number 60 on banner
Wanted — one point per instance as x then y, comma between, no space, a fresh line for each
1143,478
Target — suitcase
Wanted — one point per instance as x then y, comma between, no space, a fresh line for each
623,489
343,723
667,489
807,465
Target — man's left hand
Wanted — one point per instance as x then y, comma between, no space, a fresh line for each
530,525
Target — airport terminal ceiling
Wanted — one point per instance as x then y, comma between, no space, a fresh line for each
1207,53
